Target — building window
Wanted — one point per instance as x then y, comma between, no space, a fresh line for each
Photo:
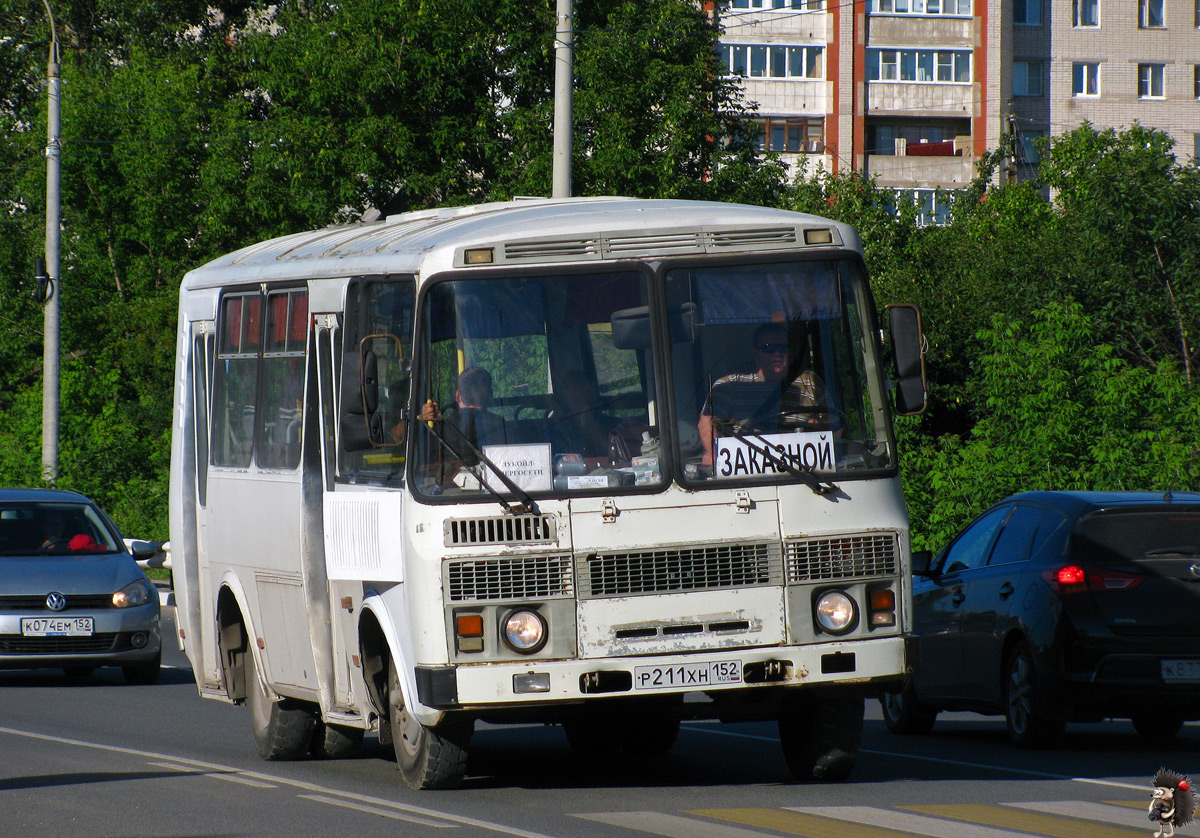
1196,81
1085,13
1029,12
933,205
1085,79
1027,78
776,61
1150,81
782,5
956,8
919,65
1150,14
793,134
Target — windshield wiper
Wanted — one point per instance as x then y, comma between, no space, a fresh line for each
526,505
805,475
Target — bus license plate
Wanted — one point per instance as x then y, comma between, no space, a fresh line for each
1181,670
57,626
687,675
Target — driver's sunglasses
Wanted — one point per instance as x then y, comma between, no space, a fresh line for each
772,348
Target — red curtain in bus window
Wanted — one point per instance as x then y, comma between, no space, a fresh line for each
299,321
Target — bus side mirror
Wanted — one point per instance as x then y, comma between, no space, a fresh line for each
921,560
908,350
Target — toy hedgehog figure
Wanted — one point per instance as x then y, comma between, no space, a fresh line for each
1172,804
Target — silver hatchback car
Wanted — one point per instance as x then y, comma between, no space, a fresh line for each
71,595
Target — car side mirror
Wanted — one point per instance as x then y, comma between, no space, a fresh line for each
908,351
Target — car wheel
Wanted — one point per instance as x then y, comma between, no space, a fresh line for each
428,757
282,731
335,741
821,734
1026,728
1157,727
143,674
78,673
904,713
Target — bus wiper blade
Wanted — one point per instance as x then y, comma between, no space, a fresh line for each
526,505
761,446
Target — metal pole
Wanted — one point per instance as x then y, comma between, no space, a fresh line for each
50,348
564,76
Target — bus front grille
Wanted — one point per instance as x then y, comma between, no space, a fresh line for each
487,580
841,557
500,529
679,569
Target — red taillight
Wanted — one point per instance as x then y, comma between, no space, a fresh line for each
1073,579
1071,575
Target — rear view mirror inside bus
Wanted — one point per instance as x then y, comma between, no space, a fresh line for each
631,326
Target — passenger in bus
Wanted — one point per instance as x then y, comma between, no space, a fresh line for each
745,401
470,416
575,424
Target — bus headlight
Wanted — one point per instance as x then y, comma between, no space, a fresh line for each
524,631
835,612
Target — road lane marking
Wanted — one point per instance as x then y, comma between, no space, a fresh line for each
907,822
799,823
216,775
1047,825
1101,812
377,810
671,826
283,781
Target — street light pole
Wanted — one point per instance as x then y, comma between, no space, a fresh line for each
564,78
50,346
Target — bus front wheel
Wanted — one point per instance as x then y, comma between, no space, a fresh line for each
281,731
428,757
821,734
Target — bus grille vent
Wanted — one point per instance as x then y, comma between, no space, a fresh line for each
476,580
740,239
843,557
503,529
681,569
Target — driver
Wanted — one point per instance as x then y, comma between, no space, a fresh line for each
796,405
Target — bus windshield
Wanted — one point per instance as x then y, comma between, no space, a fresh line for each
774,371
546,379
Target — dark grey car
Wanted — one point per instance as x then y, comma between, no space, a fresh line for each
71,594
1053,607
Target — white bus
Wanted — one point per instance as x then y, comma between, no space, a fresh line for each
611,464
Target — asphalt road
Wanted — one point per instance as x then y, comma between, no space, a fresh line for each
105,759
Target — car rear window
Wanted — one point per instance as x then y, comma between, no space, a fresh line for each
1134,535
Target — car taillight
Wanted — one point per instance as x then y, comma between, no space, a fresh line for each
1072,579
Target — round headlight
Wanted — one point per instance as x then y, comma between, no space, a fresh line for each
525,631
835,612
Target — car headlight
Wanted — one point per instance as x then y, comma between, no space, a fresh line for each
525,631
133,594
835,612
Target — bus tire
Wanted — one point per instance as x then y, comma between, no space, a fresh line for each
821,734
335,741
281,731
427,757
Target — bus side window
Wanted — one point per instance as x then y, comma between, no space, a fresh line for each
235,380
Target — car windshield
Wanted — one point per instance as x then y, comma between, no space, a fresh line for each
54,529
774,370
550,379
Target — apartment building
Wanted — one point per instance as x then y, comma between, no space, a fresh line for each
915,91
